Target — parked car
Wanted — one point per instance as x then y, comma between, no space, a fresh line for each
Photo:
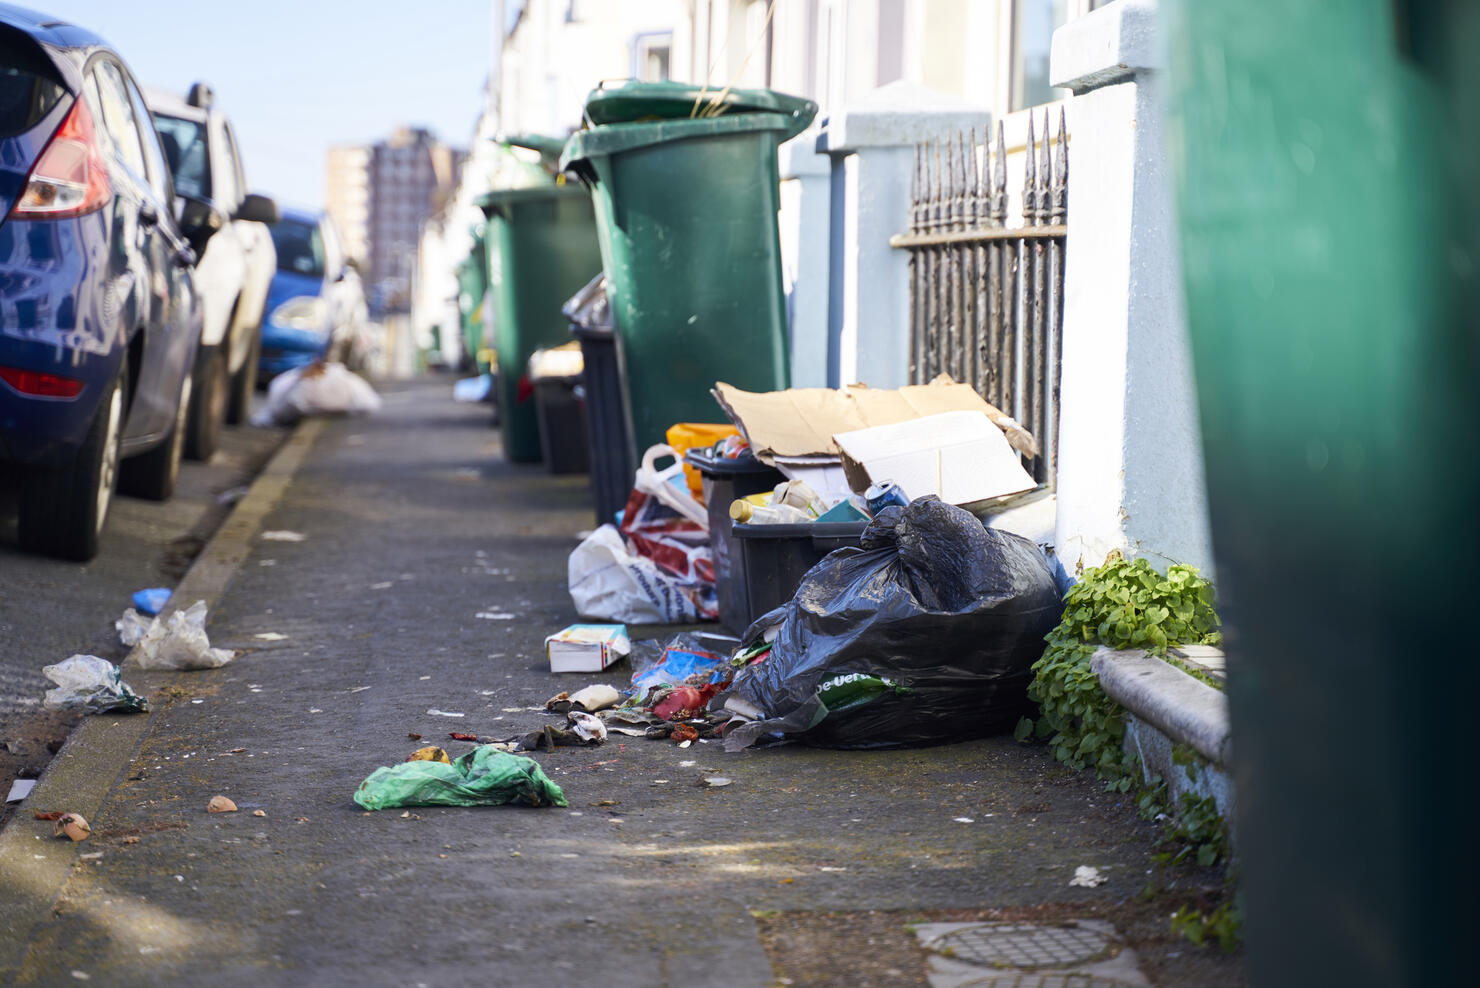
99,324
235,266
316,305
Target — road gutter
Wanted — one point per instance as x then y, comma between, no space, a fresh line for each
34,867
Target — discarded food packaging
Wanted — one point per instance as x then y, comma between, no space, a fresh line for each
220,804
72,826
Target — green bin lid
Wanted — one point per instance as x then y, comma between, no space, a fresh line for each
632,101
611,139
491,200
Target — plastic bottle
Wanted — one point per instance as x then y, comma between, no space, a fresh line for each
776,514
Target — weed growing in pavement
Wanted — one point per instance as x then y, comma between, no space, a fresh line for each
1126,604
1221,924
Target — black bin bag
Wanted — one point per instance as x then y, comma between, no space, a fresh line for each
924,635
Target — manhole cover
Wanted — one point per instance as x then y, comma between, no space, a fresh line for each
1019,979
1023,945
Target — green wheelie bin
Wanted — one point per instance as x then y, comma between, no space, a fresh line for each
686,191
472,285
542,249
1325,157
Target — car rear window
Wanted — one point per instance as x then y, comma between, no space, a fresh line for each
300,248
184,144
29,84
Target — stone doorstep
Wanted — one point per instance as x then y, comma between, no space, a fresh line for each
1186,710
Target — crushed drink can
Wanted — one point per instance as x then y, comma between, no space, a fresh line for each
882,495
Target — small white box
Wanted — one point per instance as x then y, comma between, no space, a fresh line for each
587,647
959,456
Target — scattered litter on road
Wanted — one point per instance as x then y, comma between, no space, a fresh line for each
484,776
132,627
20,789
717,781
282,535
434,712
319,388
591,699
259,813
357,689
181,642
94,856
414,736
314,710
92,685
459,736
152,600
430,753
844,669
495,616
72,826
232,495
963,819
587,726
270,636
382,586
1087,877
220,804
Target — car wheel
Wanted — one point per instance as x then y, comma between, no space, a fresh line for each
244,382
153,474
62,512
207,404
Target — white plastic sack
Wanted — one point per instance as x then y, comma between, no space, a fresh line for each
318,389
92,685
180,642
609,583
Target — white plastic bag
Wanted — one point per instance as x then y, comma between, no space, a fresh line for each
650,480
318,389
180,642
610,583
133,626
92,685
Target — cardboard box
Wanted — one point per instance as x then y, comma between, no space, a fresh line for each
587,647
959,456
797,427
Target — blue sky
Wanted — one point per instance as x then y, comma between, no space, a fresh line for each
296,77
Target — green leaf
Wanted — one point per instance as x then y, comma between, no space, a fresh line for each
1023,729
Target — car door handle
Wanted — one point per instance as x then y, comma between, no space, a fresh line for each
148,215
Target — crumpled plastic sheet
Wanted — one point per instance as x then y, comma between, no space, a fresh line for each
317,389
485,776
178,642
925,634
92,685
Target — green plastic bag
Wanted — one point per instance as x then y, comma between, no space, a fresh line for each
484,776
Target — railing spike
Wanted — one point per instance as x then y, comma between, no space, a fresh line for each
998,201
1030,176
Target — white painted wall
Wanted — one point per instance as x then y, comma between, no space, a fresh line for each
1130,457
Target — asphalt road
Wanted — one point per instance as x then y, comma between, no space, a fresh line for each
51,609
429,572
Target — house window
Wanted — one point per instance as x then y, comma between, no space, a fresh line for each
1033,24
651,56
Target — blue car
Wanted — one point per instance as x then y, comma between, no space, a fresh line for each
315,305
98,318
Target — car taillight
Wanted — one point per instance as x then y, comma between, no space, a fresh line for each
69,179
39,384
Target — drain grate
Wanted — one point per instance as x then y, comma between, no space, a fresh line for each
1049,980
1026,946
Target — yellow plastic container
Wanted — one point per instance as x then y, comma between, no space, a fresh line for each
685,436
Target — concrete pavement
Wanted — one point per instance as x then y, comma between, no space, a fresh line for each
413,526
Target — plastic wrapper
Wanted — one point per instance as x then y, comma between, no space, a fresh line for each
180,642
317,389
92,685
132,626
926,634
677,661
484,776
607,581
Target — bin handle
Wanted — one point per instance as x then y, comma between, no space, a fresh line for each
650,481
